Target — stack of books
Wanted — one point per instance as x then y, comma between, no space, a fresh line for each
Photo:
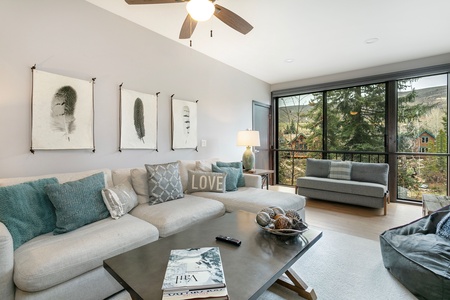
194,273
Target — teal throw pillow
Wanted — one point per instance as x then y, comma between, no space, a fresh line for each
237,165
206,182
78,203
26,210
232,176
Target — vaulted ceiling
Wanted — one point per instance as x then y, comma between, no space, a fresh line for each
298,39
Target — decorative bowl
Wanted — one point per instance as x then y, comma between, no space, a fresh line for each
284,232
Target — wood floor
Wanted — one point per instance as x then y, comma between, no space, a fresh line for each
356,220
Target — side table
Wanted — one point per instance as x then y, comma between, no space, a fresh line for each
432,203
265,176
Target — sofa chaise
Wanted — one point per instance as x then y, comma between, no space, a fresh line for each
69,265
364,184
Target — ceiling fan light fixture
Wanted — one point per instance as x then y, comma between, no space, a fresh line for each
200,10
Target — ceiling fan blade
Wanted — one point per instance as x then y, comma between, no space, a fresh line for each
131,2
232,19
188,27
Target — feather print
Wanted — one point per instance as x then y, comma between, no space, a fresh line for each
63,109
139,119
186,120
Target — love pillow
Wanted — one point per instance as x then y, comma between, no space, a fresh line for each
206,182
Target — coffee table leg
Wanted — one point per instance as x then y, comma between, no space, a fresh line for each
296,284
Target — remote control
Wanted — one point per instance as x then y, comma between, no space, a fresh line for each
228,239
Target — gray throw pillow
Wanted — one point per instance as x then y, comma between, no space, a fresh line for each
340,170
119,199
164,183
78,203
237,165
317,167
206,182
232,176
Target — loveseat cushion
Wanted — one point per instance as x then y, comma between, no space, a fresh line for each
317,167
370,172
48,260
343,186
254,199
177,215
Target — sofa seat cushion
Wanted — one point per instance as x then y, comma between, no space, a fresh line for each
254,199
177,215
343,186
48,260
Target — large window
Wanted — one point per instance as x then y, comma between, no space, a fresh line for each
299,130
422,128
399,120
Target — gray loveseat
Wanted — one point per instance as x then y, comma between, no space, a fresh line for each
364,184
70,265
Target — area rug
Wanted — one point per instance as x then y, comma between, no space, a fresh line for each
341,266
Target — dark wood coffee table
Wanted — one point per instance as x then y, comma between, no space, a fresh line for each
249,269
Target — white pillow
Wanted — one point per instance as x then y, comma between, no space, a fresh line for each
340,170
119,199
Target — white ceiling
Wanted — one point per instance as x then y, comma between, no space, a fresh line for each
322,37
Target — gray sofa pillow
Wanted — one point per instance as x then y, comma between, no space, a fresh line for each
370,172
317,167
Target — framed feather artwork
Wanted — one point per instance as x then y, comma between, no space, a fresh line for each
184,124
138,120
62,112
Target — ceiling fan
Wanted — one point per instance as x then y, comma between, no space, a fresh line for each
189,24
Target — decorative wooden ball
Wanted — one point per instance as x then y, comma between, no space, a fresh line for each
263,218
277,210
278,216
269,211
283,222
293,214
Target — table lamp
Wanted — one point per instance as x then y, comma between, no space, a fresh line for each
248,138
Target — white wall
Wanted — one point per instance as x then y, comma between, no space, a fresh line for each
385,69
75,38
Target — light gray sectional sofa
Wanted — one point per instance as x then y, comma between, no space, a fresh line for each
70,265
364,184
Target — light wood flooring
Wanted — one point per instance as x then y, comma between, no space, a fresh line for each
356,220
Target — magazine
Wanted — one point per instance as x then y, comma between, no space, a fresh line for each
194,269
216,294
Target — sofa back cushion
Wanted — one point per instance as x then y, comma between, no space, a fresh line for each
61,177
317,167
370,172
26,210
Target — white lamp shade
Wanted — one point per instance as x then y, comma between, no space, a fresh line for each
248,138
200,10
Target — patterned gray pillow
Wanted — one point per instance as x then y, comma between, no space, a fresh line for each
206,182
164,183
